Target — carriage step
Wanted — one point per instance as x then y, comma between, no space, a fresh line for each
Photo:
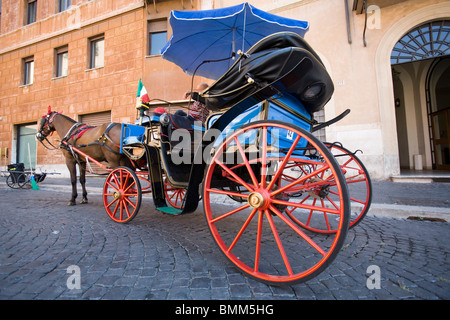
170,210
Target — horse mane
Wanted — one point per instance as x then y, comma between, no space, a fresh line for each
68,118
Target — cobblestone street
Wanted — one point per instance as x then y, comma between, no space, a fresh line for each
159,256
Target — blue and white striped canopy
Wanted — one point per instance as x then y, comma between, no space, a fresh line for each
205,35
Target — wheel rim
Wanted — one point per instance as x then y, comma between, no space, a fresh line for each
122,195
257,235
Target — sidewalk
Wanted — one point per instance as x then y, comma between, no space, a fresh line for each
391,199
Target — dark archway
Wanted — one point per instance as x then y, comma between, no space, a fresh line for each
421,51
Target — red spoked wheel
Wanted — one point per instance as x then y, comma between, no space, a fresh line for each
174,195
122,195
257,235
360,191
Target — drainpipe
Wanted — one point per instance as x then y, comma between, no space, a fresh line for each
365,23
347,17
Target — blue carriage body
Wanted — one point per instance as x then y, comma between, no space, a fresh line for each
284,108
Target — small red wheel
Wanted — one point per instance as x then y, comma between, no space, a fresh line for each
122,195
257,235
174,195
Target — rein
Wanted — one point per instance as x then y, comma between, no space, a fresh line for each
53,147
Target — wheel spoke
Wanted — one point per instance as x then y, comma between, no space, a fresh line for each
114,200
113,214
244,226
121,209
224,167
348,179
311,212
130,202
351,199
230,213
305,206
283,164
297,230
258,241
325,216
279,243
126,208
243,195
112,186
264,157
298,181
247,164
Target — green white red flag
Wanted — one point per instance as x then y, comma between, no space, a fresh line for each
142,95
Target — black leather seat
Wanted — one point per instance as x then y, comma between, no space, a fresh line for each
282,62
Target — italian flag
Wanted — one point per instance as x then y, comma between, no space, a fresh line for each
142,95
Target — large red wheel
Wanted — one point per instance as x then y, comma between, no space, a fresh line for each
360,191
257,235
122,195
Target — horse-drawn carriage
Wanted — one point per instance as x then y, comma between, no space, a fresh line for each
276,199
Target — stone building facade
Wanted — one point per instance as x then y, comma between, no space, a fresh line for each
85,58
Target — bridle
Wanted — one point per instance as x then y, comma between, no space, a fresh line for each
46,128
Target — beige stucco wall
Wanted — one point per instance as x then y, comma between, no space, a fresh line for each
362,74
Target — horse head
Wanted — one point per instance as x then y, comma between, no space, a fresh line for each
45,125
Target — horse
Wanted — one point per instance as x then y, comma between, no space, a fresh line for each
101,143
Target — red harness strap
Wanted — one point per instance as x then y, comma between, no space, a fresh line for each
83,130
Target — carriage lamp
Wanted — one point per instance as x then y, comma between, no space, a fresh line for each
164,119
312,91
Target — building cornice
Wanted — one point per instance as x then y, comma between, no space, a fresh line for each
76,25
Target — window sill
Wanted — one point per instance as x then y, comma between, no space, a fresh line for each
60,77
153,55
94,69
25,85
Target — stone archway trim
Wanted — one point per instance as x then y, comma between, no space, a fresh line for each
384,78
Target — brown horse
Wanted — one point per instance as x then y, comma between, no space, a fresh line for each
101,143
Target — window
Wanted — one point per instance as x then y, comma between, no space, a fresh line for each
97,50
28,70
157,36
64,5
428,40
31,11
26,144
61,61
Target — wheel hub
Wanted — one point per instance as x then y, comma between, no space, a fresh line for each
321,191
117,195
259,200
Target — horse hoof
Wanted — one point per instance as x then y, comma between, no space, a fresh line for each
71,203
84,201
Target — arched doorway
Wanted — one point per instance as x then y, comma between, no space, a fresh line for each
421,102
438,93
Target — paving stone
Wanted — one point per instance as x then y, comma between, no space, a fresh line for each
157,256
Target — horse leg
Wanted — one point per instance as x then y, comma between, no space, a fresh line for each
82,167
71,165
